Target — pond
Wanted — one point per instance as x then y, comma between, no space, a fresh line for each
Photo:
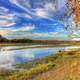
19,54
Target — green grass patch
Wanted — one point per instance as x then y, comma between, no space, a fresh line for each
31,69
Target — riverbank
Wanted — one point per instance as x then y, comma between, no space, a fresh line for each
43,67
30,44
53,44
15,44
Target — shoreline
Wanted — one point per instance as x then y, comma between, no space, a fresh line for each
29,70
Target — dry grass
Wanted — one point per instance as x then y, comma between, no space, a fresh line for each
65,65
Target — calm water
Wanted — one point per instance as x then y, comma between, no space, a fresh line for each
18,54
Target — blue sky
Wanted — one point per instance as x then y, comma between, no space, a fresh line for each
34,19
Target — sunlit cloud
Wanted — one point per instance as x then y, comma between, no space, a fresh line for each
5,32
41,12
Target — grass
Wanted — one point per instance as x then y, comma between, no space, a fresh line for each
10,44
30,70
16,44
65,43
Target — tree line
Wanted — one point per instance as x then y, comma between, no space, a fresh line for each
3,39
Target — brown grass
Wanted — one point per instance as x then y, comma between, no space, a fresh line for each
67,70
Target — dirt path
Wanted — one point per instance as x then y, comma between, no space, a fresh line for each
69,70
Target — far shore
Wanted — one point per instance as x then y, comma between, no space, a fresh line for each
48,45
16,44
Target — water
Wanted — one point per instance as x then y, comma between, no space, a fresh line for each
19,54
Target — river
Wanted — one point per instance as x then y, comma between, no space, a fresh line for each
12,55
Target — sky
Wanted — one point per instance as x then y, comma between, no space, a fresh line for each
34,19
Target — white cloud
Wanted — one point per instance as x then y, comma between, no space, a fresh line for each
25,28
23,15
13,32
50,6
75,39
5,32
19,4
40,36
5,23
41,12
46,12
7,20
7,16
3,9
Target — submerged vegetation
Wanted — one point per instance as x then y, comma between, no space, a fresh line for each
29,70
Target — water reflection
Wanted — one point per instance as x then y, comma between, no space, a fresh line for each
6,58
30,54
9,57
